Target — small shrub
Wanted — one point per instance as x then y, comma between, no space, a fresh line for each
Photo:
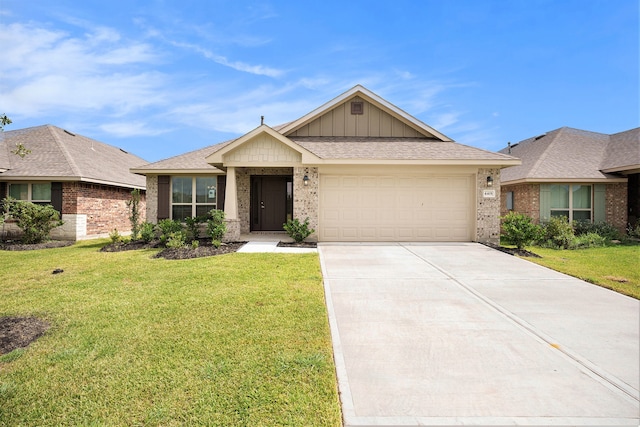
195,244
589,240
115,236
35,221
634,231
216,227
134,215
558,233
603,229
296,230
193,226
520,229
177,239
147,232
167,227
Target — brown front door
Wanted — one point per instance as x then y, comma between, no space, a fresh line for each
268,202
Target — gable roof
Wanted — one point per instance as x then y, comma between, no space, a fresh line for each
57,154
364,93
564,154
322,137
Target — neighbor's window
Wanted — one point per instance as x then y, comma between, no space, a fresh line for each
510,200
39,193
573,201
192,196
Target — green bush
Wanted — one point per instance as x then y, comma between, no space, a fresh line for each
634,231
216,227
589,240
115,236
177,239
519,229
557,233
35,221
296,230
603,229
193,226
147,232
167,227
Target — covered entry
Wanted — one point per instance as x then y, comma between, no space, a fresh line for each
271,202
396,207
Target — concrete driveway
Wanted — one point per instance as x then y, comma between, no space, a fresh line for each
453,334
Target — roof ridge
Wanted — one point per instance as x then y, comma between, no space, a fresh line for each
70,161
545,152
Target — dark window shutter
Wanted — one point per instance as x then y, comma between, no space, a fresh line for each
222,189
56,196
164,196
3,194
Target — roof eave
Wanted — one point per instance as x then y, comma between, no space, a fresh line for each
628,169
561,180
423,162
145,172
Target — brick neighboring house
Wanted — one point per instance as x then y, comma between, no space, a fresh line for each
575,173
360,168
87,181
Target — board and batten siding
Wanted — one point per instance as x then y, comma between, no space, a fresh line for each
373,122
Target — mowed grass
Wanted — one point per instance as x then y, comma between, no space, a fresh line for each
232,340
614,267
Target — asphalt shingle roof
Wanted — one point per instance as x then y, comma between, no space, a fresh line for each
568,153
57,153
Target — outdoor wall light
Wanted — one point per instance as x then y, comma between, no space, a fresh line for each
489,181
305,180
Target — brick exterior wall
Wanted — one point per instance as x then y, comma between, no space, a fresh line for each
526,199
488,209
104,206
305,197
616,205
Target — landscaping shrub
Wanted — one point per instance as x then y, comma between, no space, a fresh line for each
115,236
603,229
634,231
134,215
35,221
519,229
589,240
147,232
216,227
166,227
557,233
296,230
177,239
193,226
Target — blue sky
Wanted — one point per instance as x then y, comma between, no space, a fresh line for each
159,78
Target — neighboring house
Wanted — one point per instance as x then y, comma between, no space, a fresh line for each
87,181
358,167
577,174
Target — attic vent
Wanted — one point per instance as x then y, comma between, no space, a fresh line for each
357,107
539,136
72,134
125,152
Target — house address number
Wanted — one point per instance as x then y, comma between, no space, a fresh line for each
489,194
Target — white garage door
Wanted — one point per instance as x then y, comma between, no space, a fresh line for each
434,208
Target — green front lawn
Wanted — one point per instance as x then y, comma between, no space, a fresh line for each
614,267
238,339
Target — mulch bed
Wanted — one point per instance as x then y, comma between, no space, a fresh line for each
513,251
204,249
297,245
19,246
19,332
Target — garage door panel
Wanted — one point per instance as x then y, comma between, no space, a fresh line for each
396,208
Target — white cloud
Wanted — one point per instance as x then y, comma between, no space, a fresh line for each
128,129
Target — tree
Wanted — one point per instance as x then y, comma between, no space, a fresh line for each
4,121
20,150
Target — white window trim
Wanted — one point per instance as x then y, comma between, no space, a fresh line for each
193,204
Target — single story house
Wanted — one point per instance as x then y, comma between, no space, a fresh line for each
575,173
360,168
87,181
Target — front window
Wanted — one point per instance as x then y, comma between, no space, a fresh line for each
192,196
39,193
572,201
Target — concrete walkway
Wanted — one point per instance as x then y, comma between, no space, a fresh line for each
457,334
